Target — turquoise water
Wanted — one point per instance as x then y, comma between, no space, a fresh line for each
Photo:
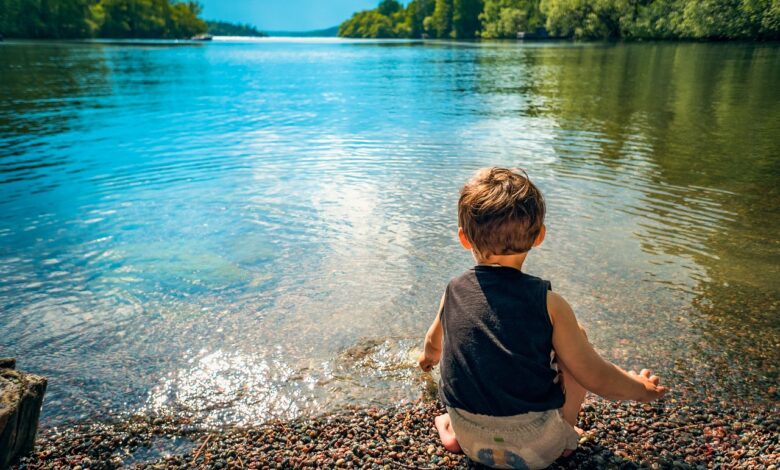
244,230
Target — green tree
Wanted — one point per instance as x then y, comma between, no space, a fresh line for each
224,28
719,19
664,19
388,7
134,18
465,18
416,12
440,22
68,19
582,19
104,18
770,20
652,20
367,24
505,18
45,18
389,20
184,20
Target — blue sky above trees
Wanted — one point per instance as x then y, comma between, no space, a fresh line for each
288,15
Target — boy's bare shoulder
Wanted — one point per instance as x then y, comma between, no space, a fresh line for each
555,299
558,308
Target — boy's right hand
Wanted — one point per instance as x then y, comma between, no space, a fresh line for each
653,391
426,363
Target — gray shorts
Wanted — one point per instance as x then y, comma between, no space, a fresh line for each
525,441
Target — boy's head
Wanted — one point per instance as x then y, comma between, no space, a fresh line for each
500,212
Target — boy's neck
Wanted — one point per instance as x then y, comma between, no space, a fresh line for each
509,261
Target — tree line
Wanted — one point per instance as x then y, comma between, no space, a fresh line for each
578,19
223,28
70,19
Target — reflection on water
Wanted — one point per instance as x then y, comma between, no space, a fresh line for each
244,230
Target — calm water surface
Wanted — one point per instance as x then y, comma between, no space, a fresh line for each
244,230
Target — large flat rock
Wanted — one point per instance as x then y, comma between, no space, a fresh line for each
21,397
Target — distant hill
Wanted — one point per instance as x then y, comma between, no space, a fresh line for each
223,28
317,33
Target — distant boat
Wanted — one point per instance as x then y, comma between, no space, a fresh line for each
202,37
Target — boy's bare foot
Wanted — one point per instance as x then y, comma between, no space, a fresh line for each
568,452
446,434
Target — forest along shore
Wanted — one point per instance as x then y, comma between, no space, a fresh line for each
81,19
667,434
607,19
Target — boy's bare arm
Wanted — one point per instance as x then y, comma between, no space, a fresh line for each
588,367
431,354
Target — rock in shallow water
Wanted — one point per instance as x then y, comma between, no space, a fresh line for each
21,397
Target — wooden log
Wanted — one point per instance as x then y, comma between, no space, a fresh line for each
21,397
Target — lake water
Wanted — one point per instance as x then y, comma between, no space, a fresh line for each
244,230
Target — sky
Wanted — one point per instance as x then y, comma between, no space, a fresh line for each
285,15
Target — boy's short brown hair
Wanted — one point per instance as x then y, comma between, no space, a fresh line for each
501,211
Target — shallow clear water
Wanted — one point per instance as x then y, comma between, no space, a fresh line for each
244,230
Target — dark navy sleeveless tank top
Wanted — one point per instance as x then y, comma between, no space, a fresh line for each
497,352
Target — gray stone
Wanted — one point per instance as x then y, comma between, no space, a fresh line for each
21,397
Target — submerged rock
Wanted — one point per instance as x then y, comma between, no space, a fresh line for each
21,397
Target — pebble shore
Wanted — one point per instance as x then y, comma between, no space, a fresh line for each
668,434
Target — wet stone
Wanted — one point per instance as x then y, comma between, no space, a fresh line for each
21,398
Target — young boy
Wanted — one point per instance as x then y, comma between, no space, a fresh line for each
515,364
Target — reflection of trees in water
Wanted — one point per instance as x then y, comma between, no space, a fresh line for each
46,84
43,82
696,126
706,119
43,87
52,93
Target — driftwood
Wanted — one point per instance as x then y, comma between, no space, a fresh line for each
21,397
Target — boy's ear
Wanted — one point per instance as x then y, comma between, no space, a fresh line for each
463,240
540,237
